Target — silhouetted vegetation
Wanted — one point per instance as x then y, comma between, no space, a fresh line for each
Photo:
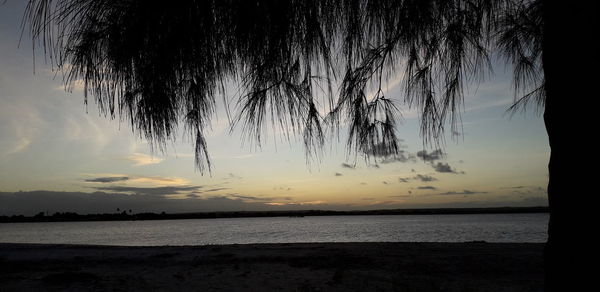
69,216
161,65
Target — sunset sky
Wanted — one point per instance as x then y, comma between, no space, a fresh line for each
56,154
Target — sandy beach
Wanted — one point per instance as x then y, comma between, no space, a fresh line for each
274,267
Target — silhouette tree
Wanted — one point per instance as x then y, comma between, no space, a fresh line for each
160,65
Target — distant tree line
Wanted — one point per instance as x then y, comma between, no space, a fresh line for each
124,216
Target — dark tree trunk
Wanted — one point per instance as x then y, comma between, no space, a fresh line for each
570,67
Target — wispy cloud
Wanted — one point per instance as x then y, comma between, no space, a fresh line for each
107,179
464,192
308,203
445,168
402,157
150,191
513,188
20,125
401,196
159,180
214,190
20,144
283,188
425,178
385,203
249,198
419,177
232,176
382,149
140,159
136,180
431,156
346,165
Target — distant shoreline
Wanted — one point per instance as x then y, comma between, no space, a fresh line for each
124,216
374,266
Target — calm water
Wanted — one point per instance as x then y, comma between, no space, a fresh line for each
392,228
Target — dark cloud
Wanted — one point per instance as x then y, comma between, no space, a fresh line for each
442,167
427,188
251,198
214,190
432,156
150,191
248,198
382,150
425,178
107,179
389,154
282,189
401,157
419,177
445,168
232,176
346,165
401,196
385,182
338,174
464,192
31,203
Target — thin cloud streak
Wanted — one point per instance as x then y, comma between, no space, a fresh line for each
464,192
107,179
141,159
152,191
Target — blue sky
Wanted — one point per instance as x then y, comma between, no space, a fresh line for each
64,156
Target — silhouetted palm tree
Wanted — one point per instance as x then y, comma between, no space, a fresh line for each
161,64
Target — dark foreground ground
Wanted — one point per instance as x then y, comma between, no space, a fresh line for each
274,267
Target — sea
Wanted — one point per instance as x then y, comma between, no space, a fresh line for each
368,228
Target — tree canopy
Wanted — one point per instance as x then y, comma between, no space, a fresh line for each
302,65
